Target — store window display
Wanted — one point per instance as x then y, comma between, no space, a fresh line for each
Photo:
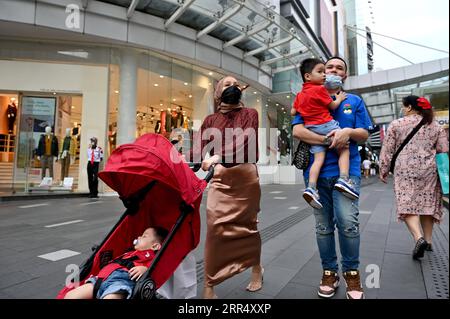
95,156
67,153
47,151
11,113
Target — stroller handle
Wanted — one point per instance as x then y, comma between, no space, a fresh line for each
210,174
196,166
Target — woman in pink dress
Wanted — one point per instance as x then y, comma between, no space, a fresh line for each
416,182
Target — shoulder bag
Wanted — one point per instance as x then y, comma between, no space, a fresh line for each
406,141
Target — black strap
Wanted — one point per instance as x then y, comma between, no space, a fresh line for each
125,262
97,285
406,141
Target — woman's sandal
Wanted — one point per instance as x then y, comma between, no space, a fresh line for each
214,296
258,288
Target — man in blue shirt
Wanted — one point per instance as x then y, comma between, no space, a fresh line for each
337,209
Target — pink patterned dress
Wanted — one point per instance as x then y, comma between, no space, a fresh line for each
416,182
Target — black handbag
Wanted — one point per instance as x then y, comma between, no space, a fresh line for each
301,156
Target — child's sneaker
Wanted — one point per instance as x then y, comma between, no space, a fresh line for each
312,197
346,188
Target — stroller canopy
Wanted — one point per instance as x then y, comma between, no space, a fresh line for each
151,157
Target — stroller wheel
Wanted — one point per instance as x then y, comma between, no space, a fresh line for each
145,290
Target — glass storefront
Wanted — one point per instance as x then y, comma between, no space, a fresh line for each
173,97
74,90
60,94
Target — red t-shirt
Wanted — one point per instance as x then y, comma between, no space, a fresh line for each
145,258
312,104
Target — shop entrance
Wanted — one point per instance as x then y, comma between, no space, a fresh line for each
41,152
8,130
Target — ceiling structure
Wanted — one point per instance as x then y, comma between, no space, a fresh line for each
250,25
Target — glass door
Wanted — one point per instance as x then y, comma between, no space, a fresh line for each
35,155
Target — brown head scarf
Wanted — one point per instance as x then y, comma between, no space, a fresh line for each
223,107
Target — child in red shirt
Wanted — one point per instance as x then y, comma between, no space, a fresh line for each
314,104
119,277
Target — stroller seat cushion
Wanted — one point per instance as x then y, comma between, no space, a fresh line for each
118,282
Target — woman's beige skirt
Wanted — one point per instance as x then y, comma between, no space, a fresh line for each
232,242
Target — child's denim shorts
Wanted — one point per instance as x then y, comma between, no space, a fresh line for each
322,129
118,282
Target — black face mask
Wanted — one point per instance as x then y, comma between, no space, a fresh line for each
231,95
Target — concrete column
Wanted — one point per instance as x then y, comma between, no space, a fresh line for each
126,121
264,139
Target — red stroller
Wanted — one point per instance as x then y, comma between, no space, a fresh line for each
157,189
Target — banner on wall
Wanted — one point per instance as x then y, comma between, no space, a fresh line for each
36,114
442,118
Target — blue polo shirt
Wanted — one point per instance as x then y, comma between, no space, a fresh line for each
351,113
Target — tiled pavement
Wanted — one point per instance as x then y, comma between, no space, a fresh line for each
289,252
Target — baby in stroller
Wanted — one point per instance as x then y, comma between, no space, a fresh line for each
117,279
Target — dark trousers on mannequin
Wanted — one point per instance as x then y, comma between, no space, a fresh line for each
92,172
47,161
65,164
11,121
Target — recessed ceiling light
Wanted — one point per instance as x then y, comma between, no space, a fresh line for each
255,92
277,104
54,93
73,106
156,84
160,104
174,100
116,91
185,83
161,76
210,73
190,96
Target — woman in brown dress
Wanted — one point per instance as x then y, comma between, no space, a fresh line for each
416,182
233,243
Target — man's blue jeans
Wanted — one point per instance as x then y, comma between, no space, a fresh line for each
343,212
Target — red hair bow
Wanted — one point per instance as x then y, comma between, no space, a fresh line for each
423,103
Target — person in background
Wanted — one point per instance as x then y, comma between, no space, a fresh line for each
95,156
366,167
416,183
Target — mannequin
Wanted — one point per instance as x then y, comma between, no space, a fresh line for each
11,113
47,150
95,156
68,152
